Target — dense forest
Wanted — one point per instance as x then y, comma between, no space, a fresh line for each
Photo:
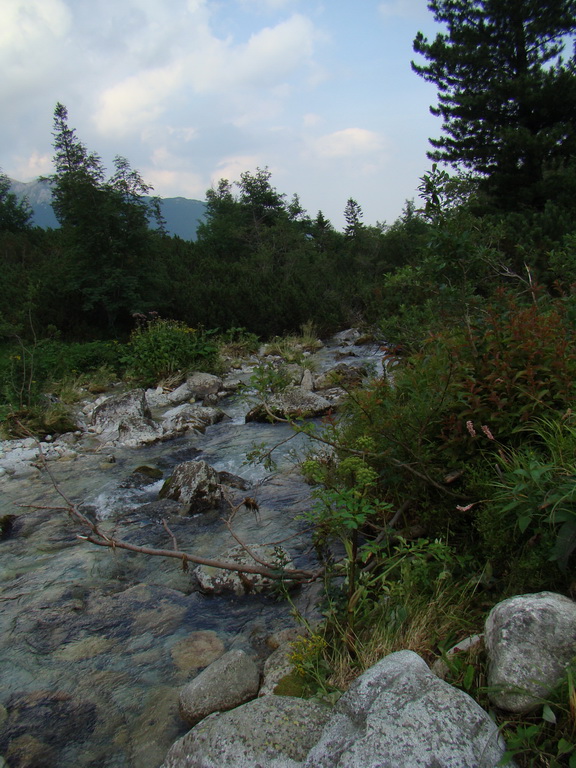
472,290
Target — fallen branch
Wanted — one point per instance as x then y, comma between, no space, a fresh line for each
101,539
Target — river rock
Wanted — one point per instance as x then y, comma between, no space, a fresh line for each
294,402
126,420
348,336
217,580
54,718
134,431
271,732
530,640
307,381
199,649
342,375
277,667
184,417
400,715
228,682
195,484
107,415
196,386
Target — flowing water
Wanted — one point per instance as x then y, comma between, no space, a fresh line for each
94,643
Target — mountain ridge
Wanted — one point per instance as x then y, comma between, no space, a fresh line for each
182,214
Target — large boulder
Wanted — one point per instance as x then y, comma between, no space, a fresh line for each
294,402
197,386
134,432
186,417
125,419
271,732
107,415
228,682
195,484
217,580
530,639
400,715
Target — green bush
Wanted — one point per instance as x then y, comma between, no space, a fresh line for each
160,348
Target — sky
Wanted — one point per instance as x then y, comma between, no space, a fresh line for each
320,92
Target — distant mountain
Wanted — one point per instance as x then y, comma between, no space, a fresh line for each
182,215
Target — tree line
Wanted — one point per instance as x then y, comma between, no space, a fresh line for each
507,98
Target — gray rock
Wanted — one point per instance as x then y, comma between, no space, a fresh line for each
292,403
229,681
185,417
198,385
195,484
271,732
348,336
399,715
216,580
157,398
107,415
342,375
134,431
278,665
530,639
307,382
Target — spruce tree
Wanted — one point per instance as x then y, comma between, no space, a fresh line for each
506,96
105,231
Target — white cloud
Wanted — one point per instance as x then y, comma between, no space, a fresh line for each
27,23
265,5
176,183
136,101
270,57
31,167
32,35
350,142
232,167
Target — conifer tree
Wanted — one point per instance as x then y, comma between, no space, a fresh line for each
506,96
105,230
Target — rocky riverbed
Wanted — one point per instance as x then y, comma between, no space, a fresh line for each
95,643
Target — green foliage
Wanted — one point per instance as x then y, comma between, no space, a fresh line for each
269,379
105,231
14,215
545,739
161,348
238,342
505,94
537,487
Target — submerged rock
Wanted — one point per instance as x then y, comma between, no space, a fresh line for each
228,682
217,580
198,649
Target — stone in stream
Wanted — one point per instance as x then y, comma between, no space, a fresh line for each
188,417
195,484
197,386
213,580
126,419
294,402
228,682
271,732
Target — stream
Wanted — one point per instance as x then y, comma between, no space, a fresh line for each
96,643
